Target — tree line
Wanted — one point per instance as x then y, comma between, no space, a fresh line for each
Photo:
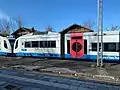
6,27
9,25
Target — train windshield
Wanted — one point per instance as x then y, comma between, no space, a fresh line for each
12,41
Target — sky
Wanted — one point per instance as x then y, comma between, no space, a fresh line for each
59,14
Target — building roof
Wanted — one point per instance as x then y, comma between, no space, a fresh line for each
43,32
74,26
23,29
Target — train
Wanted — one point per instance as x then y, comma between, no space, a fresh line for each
80,46
5,46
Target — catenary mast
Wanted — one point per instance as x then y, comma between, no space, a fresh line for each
100,34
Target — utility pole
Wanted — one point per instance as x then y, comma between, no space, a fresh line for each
100,34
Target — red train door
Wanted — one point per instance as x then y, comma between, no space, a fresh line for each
77,45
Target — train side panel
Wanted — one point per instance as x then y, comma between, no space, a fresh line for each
110,43
110,46
5,47
86,47
39,46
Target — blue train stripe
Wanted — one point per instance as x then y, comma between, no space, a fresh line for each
39,54
3,54
93,57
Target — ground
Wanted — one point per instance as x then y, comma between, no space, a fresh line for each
67,68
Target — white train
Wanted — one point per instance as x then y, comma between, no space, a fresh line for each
44,45
5,46
87,46
73,45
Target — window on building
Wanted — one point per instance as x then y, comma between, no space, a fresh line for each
5,44
27,44
35,44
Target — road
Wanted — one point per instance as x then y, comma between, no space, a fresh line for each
27,80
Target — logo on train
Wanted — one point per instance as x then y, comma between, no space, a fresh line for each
77,45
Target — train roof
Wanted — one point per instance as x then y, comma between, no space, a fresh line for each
10,38
3,37
112,32
85,34
40,34
104,32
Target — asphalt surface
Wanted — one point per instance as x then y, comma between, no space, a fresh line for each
19,80
67,68
78,66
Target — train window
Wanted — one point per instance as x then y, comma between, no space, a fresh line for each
53,44
35,44
41,44
27,44
107,47
77,37
45,44
110,47
5,44
85,46
68,46
12,42
94,46
49,44
16,44
117,47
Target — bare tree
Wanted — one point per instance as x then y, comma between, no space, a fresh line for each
113,28
19,22
89,24
7,26
49,28
4,27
